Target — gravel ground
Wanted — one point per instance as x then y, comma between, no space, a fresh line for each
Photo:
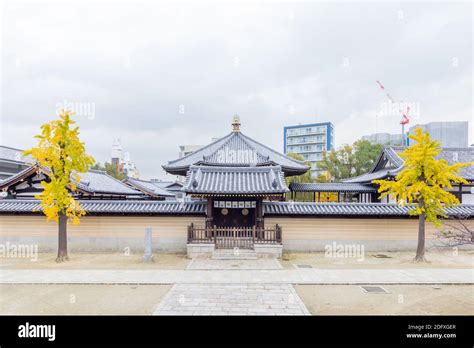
401,300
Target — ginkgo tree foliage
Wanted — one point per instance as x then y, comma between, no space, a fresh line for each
423,184
63,155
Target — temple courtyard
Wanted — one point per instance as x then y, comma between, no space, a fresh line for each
299,284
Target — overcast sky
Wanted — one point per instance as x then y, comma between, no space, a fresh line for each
162,75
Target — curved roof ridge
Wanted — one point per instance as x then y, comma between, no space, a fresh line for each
275,152
235,141
223,139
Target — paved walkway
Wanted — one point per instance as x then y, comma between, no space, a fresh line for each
209,264
282,276
231,299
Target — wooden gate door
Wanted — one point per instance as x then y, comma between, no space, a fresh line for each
234,237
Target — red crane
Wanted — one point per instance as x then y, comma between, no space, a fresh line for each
405,120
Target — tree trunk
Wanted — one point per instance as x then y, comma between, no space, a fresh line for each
420,250
62,239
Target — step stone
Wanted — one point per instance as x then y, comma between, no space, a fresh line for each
228,254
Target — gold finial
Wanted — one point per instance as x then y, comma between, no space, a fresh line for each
236,123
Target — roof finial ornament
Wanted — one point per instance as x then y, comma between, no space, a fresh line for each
236,123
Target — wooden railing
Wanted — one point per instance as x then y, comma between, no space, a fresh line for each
230,237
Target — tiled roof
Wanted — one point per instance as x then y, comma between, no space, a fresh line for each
352,209
97,181
236,149
367,178
170,186
331,187
14,178
148,187
12,154
112,207
235,180
392,154
94,181
9,206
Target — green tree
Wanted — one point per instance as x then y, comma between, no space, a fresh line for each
304,178
423,183
365,155
110,169
60,150
338,163
348,161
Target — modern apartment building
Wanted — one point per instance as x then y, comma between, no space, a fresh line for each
309,140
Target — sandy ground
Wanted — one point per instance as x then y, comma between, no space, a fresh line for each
402,300
436,259
24,299
97,261
400,259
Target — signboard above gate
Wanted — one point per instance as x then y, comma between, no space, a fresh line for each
235,204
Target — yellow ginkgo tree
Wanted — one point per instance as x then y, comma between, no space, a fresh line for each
64,157
423,184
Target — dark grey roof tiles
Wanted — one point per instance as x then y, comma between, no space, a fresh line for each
392,154
94,181
331,187
460,155
351,209
148,187
112,207
235,180
97,181
367,178
13,155
9,206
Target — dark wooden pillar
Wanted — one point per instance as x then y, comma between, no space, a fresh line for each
259,214
460,193
375,197
209,217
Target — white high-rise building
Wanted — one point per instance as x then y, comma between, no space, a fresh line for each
122,161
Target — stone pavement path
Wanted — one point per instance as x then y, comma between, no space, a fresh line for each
281,276
231,299
209,264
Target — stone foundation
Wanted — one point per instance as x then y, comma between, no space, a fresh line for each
200,250
269,250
